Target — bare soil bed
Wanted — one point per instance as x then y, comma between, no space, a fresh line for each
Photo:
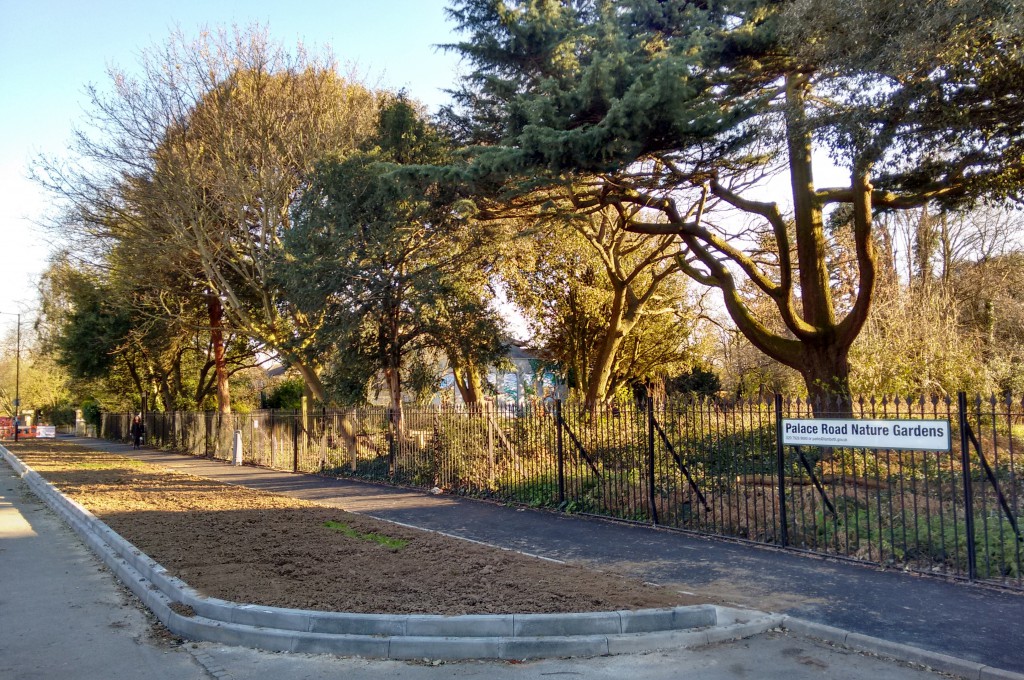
262,548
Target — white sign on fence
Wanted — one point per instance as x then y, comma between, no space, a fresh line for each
915,435
46,431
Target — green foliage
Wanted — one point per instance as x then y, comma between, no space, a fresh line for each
94,330
383,258
287,394
595,86
538,491
180,186
946,316
914,344
697,381
923,541
91,412
404,136
669,112
348,374
608,306
423,379
591,85
119,334
464,327
61,417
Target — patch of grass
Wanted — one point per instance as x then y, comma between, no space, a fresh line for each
386,541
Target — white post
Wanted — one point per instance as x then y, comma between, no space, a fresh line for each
236,449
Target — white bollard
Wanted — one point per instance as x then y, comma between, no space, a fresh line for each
236,449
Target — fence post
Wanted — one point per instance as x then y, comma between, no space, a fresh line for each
295,441
392,443
146,429
489,414
435,448
560,451
323,438
355,439
780,460
650,460
304,439
273,442
965,463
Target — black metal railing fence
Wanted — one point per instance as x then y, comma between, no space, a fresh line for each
705,466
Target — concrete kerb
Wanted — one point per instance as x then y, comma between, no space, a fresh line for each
510,636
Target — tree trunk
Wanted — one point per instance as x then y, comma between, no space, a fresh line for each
312,380
316,389
393,376
216,311
469,384
924,247
811,248
826,372
620,323
166,396
134,373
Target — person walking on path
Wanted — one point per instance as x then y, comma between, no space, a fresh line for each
138,430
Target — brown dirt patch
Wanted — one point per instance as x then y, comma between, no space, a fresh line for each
262,548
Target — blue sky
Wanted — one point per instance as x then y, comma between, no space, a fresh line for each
50,50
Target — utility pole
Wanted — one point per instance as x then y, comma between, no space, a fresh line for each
17,378
17,383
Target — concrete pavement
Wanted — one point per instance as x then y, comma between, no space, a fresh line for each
62,615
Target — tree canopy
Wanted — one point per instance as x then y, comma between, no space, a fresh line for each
229,198
678,113
387,260
196,162
611,307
